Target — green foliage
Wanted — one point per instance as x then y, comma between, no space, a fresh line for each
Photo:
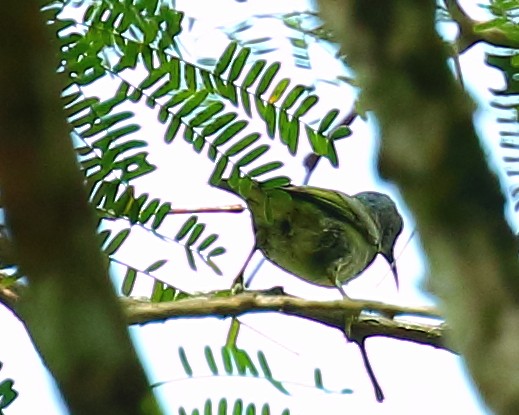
224,408
7,393
506,60
233,361
302,29
116,37
109,155
210,107
504,19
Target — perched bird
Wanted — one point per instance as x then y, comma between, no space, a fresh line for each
322,236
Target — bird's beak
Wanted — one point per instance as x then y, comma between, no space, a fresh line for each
392,264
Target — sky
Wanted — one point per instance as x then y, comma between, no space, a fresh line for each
410,374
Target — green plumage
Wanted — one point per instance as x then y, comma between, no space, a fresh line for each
322,236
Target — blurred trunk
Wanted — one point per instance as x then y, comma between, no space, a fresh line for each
430,149
70,309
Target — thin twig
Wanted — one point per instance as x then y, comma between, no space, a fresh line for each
217,209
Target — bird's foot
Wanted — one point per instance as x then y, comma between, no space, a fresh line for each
237,286
349,319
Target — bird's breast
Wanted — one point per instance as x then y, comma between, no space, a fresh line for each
317,248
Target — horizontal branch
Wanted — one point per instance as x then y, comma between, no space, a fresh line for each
329,313
374,318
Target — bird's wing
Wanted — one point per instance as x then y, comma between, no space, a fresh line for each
342,206
346,208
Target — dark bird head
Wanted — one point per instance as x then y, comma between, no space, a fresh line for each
389,222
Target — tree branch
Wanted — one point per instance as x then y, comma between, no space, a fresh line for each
470,34
329,313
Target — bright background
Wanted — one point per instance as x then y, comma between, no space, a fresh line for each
415,378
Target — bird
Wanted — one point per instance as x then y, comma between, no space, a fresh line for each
322,236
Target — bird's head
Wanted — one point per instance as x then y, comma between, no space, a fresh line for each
388,220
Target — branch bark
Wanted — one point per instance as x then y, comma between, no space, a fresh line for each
329,313
379,322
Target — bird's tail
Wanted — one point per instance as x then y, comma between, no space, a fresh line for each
253,194
224,185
